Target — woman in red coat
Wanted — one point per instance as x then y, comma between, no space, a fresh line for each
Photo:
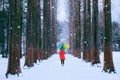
62,56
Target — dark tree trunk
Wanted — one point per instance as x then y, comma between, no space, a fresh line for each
75,28
108,60
46,28
95,49
39,45
14,40
36,29
84,32
88,31
77,32
33,33
71,10
29,59
54,26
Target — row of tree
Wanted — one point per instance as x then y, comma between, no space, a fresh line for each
85,30
31,24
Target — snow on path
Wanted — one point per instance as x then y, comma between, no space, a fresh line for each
51,69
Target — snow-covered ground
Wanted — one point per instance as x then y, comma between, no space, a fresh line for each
74,69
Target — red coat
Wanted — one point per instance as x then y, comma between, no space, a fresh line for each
62,55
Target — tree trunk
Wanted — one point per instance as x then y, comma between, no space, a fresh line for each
46,28
88,31
54,26
29,59
72,26
108,60
14,46
39,45
95,50
36,16
77,32
84,30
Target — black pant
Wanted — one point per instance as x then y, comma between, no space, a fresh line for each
62,61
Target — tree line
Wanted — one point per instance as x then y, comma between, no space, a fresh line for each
91,32
30,30
29,27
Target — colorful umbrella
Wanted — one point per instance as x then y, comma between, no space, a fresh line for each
64,46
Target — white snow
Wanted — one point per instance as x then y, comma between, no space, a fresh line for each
74,69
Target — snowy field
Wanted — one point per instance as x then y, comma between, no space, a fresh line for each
74,69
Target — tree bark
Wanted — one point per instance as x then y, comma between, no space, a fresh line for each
29,56
14,43
77,46
71,25
95,49
84,32
88,30
75,28
54,26
46,28
108,60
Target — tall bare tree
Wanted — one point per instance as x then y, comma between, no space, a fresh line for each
33,33
77,27
53,25
46,28
95,49
36,29
71,25
108,60
29,34
88,30
39,45
84,31
14,38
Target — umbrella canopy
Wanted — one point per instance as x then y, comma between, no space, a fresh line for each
64,46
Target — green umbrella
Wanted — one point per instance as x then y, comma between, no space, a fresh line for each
62,47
